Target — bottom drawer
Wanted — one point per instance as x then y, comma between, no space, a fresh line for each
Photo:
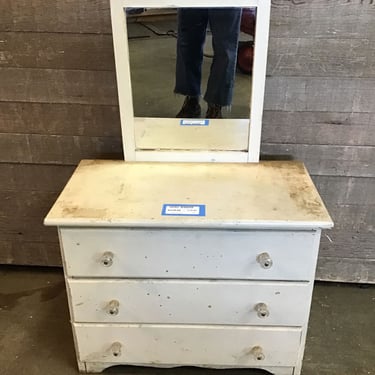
175,345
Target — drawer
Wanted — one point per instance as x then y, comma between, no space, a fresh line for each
175,253
188,345
189,302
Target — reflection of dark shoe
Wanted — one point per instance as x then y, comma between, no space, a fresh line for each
214,111
190,108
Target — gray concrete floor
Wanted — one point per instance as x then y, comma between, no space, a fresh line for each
36,338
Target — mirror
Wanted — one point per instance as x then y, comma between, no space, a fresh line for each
147,45
154,42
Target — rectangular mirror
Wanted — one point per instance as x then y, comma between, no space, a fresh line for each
171,63
153,38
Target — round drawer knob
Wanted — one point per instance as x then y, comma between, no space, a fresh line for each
107,259
262,310
113,307
116,349
258,354
265,260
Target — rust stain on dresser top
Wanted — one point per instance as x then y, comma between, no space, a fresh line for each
236,195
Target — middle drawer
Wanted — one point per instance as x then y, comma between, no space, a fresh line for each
189,302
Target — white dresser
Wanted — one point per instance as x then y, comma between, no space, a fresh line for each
172,264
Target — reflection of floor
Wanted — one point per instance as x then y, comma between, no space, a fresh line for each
153,60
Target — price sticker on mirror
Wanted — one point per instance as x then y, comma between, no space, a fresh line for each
183,210
194,122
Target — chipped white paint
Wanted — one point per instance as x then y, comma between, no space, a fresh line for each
229,289
177,143
178,253
266,195
209,302
169,135
188,344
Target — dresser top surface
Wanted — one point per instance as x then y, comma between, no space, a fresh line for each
270,194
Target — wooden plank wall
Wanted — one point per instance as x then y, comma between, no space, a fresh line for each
58,104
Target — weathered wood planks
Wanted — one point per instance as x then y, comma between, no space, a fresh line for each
99,87
346,270
28,190
323,128
301,56
315,18
58,104
59,119
66,149
319,128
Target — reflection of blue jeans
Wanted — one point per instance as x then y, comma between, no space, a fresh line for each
192,24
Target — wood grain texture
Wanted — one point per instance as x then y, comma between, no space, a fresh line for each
31,204
22,249
319,159
302,56
339,128
28,191
328,160
79,16
30,229
346,270
321,18
60,119
52,178
321,57
17,251
57,86
359,218
319,128
319,94
346,242
99,87
34,177
287,57
351,244
345,190
43,149
58,103
36,204
56,51
336,18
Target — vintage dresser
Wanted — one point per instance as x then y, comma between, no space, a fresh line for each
169,262
172,264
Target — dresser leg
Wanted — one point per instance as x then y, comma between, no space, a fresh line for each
98,367
280,370
81,366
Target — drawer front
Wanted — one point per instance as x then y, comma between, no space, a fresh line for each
137,253
188,345
189,302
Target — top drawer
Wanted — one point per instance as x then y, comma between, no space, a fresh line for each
194,253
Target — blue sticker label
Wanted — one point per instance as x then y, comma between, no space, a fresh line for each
194,122
183,210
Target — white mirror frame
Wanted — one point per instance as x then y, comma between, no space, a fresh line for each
121,50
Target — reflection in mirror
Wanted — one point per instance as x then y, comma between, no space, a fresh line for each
157,36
